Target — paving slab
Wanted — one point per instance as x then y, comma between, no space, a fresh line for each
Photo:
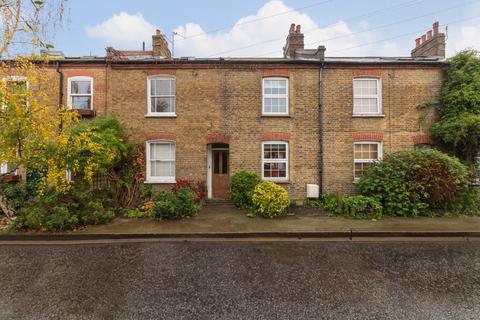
229,222
226,219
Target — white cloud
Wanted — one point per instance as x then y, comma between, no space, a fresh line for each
255,29
463,37
123,31
261,34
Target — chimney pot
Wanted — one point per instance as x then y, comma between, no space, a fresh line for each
160,45
436,26
431,44
321,53
295,41
292,28
429,35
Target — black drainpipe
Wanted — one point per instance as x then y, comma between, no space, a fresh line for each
60,85
320,116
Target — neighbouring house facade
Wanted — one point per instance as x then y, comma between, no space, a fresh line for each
304,119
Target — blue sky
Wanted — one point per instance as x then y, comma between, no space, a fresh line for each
347,28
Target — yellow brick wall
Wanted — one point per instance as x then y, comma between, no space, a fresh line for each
226,101
403,90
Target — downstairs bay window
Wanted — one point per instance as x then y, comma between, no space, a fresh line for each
160,157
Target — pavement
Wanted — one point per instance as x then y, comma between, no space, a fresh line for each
211,279
228,220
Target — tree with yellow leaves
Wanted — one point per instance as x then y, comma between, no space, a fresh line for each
30,122
26,24
37,134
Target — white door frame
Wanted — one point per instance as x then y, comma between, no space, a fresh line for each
209,168
209,171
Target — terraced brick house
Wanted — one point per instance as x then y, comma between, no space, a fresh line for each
304,119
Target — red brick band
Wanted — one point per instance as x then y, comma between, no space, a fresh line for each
275,136
367,136
217,138
366,73
422,139
275,73
160,72
161,136
78,73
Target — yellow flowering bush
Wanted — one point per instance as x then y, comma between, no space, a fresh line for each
270,200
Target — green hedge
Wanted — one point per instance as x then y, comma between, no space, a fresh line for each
242,185
362,207
413,182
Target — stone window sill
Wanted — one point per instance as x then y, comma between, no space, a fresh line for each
368,116
278,181
276,116
170,115
160,181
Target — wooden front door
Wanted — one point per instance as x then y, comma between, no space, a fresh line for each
220,175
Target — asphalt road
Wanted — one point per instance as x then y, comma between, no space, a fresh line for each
241,280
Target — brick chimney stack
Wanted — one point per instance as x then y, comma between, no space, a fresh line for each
295,40
160,45
431,44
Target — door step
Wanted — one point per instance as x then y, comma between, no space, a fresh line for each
219,202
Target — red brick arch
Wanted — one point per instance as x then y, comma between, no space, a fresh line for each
275,136
217,138
78,73
159,135
367,136
366,73
275,73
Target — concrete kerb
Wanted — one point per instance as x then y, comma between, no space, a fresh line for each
347,235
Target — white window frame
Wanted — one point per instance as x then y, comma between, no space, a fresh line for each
4,169
379,155
149,97
286,161
158,179
264,96
13,79
69,91
378,96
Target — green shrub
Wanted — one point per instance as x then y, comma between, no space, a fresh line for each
242,185
330,202
467,202
187,202
78,207
137,213
169,205
60,219
96,214
362,207
270,199
165,205
30,218
413,182
19,193
327,201
146,191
